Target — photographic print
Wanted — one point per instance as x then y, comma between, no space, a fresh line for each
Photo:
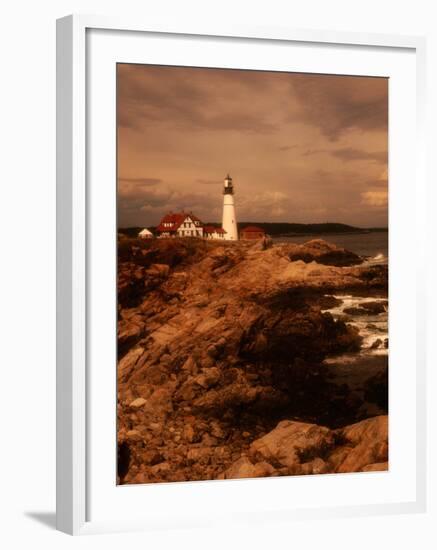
252,274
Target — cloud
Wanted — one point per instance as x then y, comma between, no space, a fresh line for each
349,153
310,152
275,202
184,99
375,198
383,176
147,206
136,189
209,182
134,199
140,181
336,104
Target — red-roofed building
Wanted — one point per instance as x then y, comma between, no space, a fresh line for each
180,224
211,232
252,232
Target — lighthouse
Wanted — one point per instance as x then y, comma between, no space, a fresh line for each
229,218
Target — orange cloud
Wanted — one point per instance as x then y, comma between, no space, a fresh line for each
375,198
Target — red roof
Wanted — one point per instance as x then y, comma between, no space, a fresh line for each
175,219
253,229
212,229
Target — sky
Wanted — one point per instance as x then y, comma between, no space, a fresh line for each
301,148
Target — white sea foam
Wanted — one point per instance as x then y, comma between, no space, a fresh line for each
371,327
378,259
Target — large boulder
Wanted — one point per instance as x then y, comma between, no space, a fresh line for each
325,253
366,444
293,443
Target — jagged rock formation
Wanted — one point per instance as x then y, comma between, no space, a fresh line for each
220,353
296,448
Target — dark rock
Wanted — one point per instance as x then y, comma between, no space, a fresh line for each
376,344
325,253
355,311
376,389
329,302
374,307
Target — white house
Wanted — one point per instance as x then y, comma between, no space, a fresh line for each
181,224
145,234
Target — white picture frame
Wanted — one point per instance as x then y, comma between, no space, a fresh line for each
74,460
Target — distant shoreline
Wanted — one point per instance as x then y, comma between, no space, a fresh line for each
285,229
312,234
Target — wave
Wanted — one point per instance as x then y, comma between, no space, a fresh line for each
373,328
378,259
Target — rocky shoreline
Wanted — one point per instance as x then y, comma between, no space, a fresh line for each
222,369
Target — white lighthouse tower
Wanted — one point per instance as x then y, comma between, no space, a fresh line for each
229,218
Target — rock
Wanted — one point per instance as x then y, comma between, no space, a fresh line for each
129,332
325,253
188,433
190,365
318,466
375,307
243,468
128,362
134,435
216,430
188,390
263,469
355,311
376,389
160,468
377,467
208,440
370,444
329,302
337,456
208,378
152,457
287,334
199,454
367,308
158,270
137,403
292,443
158,407
376,344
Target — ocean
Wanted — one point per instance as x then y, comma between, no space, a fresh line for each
373,245
373,328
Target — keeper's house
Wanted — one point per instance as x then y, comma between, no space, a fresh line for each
252,232
180,224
